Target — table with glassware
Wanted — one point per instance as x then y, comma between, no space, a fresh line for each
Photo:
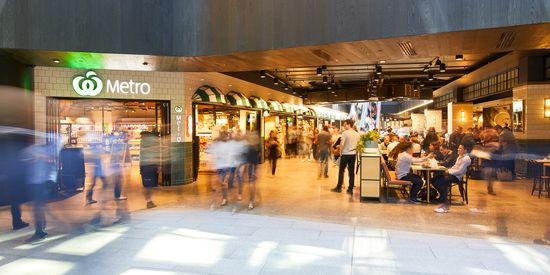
428,169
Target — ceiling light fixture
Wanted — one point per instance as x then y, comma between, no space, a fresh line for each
262,74
417,106
329,87
286,87
459,57
438,62
333,82
382,61
378,70
430,77
275,81
145,63
426,68
56,61
325,79
442,67
319,71
421,84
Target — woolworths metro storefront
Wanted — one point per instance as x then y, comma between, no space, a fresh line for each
85,108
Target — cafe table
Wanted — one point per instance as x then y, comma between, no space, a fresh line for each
428,170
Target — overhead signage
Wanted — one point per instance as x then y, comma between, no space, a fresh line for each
90,84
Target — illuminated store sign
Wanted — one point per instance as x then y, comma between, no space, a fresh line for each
91,85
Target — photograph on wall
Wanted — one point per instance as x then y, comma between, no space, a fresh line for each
366,115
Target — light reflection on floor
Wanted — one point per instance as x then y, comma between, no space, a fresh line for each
181,241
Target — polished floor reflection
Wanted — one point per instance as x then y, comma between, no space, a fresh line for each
177,240
298,226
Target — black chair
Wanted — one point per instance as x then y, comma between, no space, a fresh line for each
462,186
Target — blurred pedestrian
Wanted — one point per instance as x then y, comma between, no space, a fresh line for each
95,157
324,141
273,150
40,178
149,165
252,160
222,152
508,147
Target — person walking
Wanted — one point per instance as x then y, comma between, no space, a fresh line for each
42,174
252,160
273,150
348,143
508,147
324,141
96,158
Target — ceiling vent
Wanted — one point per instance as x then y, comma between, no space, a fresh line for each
322,54
407,48
506,40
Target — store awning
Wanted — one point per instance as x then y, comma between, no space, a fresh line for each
287,107
327,113
275,106
237,99
209,94
258,102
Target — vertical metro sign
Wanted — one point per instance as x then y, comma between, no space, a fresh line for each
179,123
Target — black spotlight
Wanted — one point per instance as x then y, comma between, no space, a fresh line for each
275,81
378,70
438,62
324,67
333,82
442,67
319,71
325,79
421,84
262,74
459,57
430,77
286,87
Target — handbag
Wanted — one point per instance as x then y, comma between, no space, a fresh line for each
423,194
504,175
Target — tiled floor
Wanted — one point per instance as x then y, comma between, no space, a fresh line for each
181,241
298,225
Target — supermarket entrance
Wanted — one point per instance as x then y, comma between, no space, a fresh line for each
87,126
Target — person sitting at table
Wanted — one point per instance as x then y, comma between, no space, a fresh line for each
394,140
449,157
417,148
436,151
384,144
453,175
403,169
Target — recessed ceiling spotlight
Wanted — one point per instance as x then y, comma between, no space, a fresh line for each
262,74
421,84
459,57
382,61
230,85
333,92
145,63
56,61
202,79
329,87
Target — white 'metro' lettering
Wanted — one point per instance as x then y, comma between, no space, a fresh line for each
126,87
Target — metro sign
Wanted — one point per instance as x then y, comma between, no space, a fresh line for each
90,84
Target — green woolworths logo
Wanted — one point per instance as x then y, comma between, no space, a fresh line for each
91,85
88,85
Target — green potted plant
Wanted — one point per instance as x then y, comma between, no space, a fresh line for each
368,140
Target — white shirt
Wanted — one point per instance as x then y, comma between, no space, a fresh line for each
461,166
349,141
391,146
404,162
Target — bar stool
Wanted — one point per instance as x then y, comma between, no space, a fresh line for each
540,180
